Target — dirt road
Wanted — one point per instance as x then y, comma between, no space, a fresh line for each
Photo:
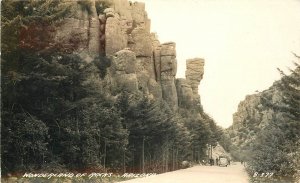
199,174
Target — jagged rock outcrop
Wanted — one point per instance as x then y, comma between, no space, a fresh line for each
246,108
156,47
115,38
194,74
94,31
168,69
187,89
253,115
156,63
141,42
139,62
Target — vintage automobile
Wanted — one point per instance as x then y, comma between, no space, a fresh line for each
223,161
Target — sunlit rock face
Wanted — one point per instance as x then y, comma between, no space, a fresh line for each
123,71
194,74
139,62
168,69
255,113
115,39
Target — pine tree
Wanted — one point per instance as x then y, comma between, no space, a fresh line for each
276,146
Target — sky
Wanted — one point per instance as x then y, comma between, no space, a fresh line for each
243,43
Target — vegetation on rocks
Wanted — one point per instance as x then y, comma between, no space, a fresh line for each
267,135
58,115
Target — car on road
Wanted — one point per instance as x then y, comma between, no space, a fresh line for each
223,161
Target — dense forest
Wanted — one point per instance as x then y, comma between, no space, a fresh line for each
56,115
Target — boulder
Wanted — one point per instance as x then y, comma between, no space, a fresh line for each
109,12
124,60
123,71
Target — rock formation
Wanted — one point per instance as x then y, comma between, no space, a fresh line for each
248,107
139,62
187,89
194,74
124,71
168,69
254,114
185,93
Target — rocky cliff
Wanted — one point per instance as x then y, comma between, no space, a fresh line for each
120,31
266,129
254,114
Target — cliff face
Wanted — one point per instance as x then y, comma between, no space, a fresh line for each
253,115
139,62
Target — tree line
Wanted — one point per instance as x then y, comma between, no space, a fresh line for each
56,115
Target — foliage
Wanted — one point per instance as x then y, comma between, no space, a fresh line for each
225,141
24,143
153,125
20,17
86,6
56,113
269,154
275,147
102,64
101,5
62,95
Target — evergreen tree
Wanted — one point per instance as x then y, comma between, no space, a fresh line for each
276,146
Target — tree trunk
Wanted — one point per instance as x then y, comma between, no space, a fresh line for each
104,161
173,159
124,166
167,159
143,155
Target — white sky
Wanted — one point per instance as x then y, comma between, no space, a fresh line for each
242,42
